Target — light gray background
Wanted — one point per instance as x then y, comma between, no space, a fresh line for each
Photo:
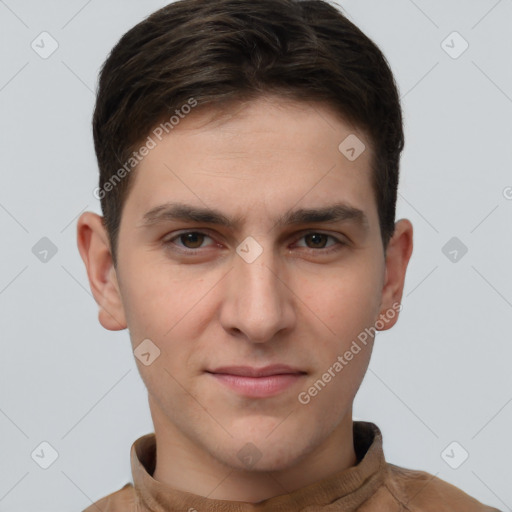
442,374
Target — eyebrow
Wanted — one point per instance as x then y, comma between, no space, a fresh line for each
337,212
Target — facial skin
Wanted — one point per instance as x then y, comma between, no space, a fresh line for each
301,302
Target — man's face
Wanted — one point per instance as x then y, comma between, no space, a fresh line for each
296,294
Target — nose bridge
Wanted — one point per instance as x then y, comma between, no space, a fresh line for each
259,304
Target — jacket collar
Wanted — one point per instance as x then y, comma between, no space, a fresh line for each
348,488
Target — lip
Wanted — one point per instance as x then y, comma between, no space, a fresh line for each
258,382
249,371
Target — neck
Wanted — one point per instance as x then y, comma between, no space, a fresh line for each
184,465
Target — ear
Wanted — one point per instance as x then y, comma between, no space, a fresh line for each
94,247
398,253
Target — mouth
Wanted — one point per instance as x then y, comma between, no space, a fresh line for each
257,382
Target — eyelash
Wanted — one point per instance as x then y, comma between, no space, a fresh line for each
171,245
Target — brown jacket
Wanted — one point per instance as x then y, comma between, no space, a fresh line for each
373,485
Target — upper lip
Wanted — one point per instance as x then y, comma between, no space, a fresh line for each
249,371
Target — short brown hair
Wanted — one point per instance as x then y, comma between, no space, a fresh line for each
224,51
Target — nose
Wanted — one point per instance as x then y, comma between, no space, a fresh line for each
257,303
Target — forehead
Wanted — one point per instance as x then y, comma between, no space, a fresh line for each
268,154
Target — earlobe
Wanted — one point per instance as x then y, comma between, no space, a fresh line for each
94,247
398,254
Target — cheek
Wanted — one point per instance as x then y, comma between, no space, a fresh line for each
344,301
157,297
336,390
330,393
172,312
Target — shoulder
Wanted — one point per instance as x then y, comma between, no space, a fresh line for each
122,500
420,491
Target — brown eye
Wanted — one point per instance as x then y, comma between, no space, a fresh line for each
192,240
318,240
319,243
191,243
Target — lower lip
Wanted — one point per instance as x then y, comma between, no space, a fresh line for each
258,387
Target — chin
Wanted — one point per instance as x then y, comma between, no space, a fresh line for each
268,449
265,461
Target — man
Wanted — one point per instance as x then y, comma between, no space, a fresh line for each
249,159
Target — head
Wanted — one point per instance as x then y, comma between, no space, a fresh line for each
249,163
